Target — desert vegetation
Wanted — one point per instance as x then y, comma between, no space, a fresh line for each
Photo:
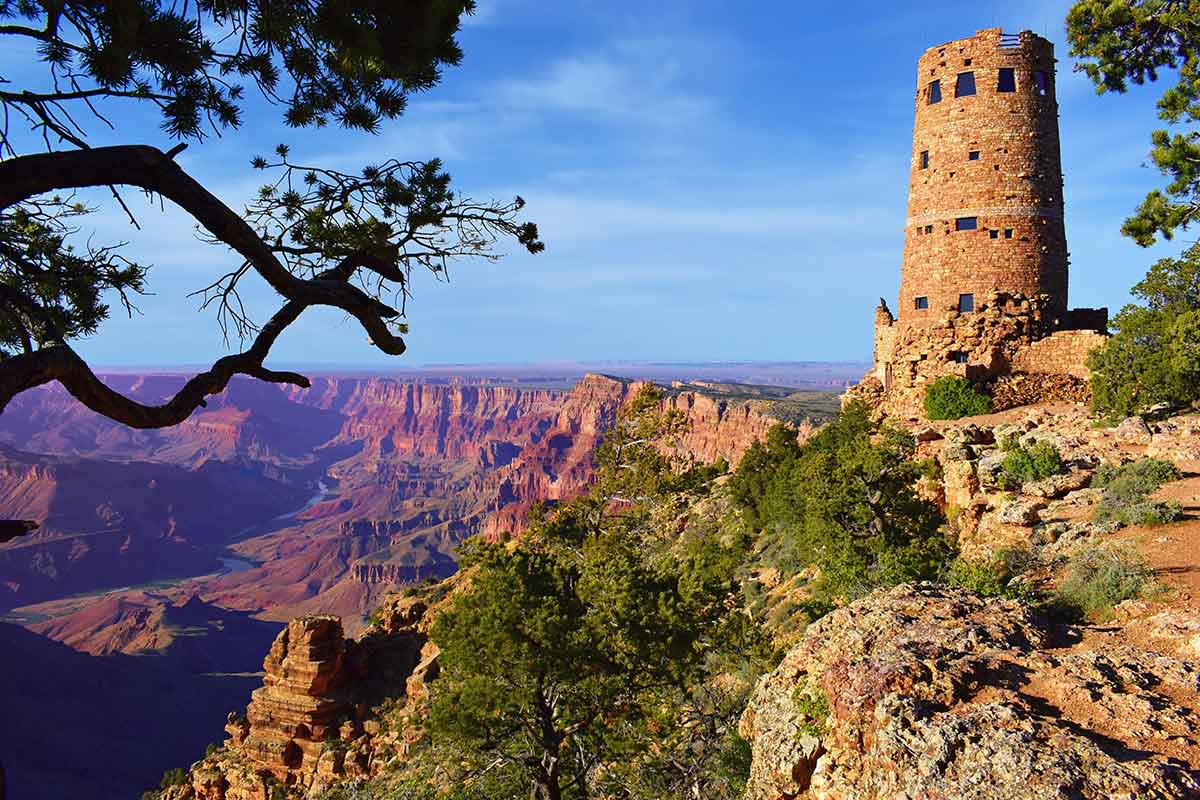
1101,576
951,397
1127,489
1024,464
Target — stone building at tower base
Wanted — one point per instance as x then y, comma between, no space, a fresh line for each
1009,340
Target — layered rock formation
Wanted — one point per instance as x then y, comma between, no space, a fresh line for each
300,703
314,722
929,692
414,468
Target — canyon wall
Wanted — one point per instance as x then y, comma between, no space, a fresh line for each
411,470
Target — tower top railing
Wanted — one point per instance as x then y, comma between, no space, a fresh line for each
1010,40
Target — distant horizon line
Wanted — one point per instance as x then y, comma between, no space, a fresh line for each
334,366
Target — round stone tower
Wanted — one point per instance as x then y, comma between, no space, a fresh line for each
985,202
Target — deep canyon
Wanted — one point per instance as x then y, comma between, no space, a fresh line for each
176,555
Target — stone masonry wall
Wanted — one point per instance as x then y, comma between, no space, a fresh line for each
993,157
1062,353
1005,335
885,340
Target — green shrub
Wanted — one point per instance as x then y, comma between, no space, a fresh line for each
1099,577
812,706
1021,464
173,777
951,397
1149,513
845,502
992,578
1136,479
1127,489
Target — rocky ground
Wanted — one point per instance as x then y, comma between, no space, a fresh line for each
931,692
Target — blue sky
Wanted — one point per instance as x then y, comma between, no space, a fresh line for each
713,181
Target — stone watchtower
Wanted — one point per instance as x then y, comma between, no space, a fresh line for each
985,198
984,274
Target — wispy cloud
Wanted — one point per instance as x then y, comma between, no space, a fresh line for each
610,85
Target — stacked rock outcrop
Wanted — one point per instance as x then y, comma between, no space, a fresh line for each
301,702
315,722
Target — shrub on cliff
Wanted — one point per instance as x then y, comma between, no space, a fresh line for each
992,577
1153,355
952,397
1024,464
845,502
1127,489
1099,577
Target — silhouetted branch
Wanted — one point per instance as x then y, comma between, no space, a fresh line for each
60,363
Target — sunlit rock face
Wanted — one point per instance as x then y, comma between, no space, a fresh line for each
933,692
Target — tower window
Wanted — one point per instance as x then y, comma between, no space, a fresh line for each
973,155
929,229
1039,83
966,62
993,234
1008,80
965,85
958,357
966,302
934,93
966,224
921,304
924,159
1008,233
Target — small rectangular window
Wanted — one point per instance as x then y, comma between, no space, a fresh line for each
921,303
993,234
966,302
934,93
966,224
1008,80
1039,83
965,85
966,62
924,159
973,155
929,229
1008,233
958,357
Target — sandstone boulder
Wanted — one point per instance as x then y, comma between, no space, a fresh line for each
1057,486
938,694
1133,430
1021,511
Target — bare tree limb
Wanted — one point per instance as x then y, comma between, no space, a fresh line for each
60,363
11,529
150,169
